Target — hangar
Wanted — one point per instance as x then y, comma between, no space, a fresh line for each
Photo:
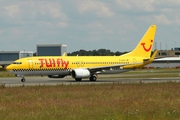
7,57
51,49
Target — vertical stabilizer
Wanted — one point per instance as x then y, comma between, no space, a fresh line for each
144,47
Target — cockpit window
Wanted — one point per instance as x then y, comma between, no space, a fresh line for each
17,63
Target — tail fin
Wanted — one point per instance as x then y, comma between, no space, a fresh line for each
144,47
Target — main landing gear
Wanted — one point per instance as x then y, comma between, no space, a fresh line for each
91,78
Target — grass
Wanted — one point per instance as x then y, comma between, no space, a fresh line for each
115,101
133,101
4,73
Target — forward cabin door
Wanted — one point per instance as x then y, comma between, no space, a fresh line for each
30,62
134,62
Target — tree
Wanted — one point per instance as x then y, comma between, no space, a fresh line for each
100,52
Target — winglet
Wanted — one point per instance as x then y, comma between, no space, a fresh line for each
64,54
152,58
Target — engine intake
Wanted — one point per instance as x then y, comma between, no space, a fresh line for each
80,73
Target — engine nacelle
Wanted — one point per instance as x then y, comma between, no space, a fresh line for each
80,73
56,76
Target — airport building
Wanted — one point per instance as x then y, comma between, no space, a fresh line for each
166,59
51,49
7,57
167,62
169,53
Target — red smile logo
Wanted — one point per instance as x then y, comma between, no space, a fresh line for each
147,49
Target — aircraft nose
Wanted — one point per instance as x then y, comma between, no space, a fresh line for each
8,68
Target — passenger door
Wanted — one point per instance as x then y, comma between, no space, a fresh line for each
134,62
30,62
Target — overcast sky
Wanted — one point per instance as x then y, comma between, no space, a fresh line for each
117,25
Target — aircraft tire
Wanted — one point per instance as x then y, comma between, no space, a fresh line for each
23,80
93,78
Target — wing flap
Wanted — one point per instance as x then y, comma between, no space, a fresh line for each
110,67
100,68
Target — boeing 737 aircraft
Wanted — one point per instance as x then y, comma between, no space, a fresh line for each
87,66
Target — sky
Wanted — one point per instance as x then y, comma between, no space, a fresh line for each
117,25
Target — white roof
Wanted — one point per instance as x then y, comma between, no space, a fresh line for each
168,59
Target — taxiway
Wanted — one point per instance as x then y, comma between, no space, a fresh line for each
33,81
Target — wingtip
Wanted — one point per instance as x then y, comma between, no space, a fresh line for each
154,54
64,54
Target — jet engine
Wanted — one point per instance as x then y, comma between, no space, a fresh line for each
80,73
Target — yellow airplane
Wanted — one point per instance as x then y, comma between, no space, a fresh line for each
87,66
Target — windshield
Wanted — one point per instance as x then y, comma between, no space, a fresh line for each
17,63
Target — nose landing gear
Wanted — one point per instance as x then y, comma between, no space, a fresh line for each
23,79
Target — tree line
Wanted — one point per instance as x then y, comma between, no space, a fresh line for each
100,52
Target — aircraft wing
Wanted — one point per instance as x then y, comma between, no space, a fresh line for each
101,68
105,67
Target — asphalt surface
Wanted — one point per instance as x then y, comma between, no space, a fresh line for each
33,81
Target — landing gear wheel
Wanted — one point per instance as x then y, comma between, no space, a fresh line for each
93,78
78,79
23,80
